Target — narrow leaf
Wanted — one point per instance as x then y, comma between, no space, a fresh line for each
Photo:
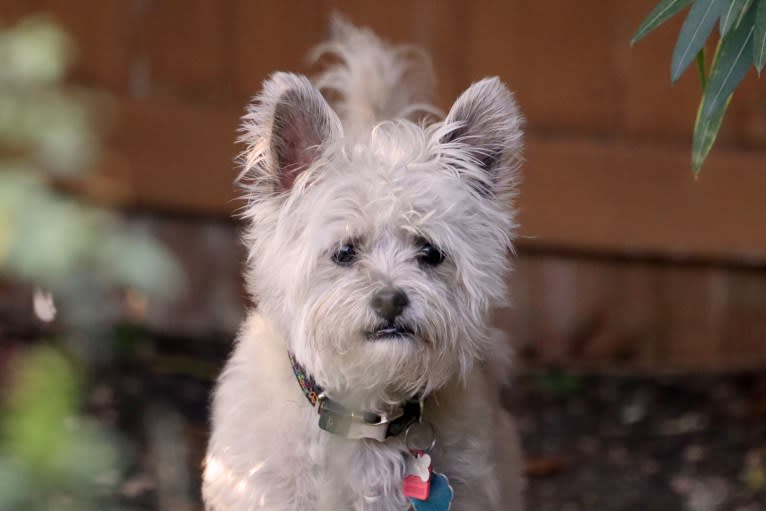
694,32
759,38
730,65
732,14
705,132
659,15
701,68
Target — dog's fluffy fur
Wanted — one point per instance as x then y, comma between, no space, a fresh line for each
366,173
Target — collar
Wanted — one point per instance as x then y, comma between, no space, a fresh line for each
339,420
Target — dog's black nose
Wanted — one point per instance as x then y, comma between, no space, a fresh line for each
389,303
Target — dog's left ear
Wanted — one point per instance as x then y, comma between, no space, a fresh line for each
485,121
286,130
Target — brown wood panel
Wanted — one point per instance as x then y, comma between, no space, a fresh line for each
590,188
689,316
272,36
655,109
10,12
642,198
745,122
99,30
102,32
742,297
173,156
184,46
558,57
437,24
624,314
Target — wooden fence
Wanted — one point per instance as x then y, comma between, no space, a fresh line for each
625,255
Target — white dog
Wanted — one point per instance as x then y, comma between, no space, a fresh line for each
377,246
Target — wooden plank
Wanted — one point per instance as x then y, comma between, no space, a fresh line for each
589,311
654,108
11,12
689,317
102,32
741,297
622,314
558,58
436,23
628,199
173,156
271,36
184,48
745,121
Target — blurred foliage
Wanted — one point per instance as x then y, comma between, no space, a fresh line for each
559,384
742,45
52,457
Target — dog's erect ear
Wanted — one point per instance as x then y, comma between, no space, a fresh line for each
486,122
286,129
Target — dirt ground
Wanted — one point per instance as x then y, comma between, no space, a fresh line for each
618,443
614,443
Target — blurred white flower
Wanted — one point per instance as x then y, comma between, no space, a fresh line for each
45,309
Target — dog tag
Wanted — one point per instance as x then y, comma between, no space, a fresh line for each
440,497
417,477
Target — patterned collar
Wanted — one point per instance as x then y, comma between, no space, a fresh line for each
339,420
306,382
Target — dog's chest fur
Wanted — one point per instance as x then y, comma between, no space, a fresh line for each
267,452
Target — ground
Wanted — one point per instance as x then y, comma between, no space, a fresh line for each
626,443
606,442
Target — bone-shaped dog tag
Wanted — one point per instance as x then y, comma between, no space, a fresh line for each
417,477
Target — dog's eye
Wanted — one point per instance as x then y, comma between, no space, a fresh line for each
345,255
429,255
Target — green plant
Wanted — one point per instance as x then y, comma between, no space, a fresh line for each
742,43
52,455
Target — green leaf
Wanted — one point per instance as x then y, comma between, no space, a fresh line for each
759,38
701,68
705,132
732,15
730,65
694,32
659,15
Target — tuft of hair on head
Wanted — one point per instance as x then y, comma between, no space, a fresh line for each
482,135
285,130
372,81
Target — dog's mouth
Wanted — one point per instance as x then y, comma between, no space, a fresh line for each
390,331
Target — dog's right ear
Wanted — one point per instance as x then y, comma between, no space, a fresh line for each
285,129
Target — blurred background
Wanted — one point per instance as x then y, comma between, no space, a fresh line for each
639,291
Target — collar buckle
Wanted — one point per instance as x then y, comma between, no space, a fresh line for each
338,420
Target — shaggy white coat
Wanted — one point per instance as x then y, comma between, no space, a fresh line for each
314,180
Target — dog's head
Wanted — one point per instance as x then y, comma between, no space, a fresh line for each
379,260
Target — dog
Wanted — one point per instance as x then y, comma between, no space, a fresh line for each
378,234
